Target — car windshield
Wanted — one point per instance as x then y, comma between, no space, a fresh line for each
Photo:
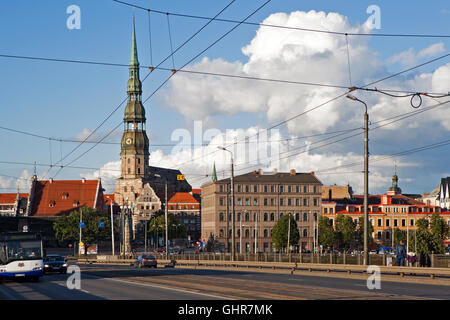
21,250
53,259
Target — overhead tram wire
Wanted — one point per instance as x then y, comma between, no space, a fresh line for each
244,77
397,118
176,144
196,33
287,27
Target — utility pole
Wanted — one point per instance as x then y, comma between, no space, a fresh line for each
112,227
256,232
167,229
289,233
233,225
81,220
145,236
366,178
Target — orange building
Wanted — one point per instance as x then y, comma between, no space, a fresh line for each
386,212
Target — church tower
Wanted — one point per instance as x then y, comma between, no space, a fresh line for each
134,153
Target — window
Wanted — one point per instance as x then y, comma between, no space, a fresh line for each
379,235
388,235
305,216
315,189
221,188
388,222
281,202
331,210
125,189
297,201
325,210
272,201
297,189
247,201
247,216
221,233
266,216
403,222
247,189
255,201
265,233
316,202
305,201
239,188
297,216
289,189
221,216
281,189
239,201
305,233
265,188
305,189
411,222
380,223
247,233
272,216
272,189
395,222
139,160
265,201
255,188
129,170
289,201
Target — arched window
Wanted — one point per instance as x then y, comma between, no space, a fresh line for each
139,170
266,216
272,217
247,233
247,216
239,216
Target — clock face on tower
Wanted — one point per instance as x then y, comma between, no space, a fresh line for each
129,141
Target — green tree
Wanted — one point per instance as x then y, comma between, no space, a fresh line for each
360,232
157,224
325,232
67,227
423,237
280,232
345,229
399,235
439,232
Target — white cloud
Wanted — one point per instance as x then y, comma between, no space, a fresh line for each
409,57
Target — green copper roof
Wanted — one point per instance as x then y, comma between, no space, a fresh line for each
134,56
214,174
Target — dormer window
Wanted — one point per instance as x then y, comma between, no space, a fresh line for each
76,203
52,204
65,195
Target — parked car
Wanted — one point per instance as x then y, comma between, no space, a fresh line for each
145,260
55,263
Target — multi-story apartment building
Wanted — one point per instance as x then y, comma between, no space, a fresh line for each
261,199
386,212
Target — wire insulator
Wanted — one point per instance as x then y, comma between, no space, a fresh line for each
420,101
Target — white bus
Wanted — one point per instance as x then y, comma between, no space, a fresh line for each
21,255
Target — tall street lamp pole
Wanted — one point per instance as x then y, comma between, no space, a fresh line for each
366,178
112,226
233,224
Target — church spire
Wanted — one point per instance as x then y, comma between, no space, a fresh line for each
214,174
134,62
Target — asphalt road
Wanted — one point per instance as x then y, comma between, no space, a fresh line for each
124,282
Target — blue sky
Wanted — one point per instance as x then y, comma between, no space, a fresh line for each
61,100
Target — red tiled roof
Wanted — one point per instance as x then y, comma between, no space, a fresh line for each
63,196
197,191
183,197
11,197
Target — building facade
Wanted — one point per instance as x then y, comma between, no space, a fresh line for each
387,212
186,207
261,199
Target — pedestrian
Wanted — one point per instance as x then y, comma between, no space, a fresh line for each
3,255
400,254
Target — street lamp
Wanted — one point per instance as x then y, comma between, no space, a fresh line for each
112,225
233,242
366,177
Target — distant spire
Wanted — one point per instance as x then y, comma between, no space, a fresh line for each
134,56
214,174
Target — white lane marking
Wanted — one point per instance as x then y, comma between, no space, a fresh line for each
162,287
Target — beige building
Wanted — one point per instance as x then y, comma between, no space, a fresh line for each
261,199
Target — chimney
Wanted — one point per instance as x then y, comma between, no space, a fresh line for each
292,172
312,172
83,180
275,170
260,171
50,180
